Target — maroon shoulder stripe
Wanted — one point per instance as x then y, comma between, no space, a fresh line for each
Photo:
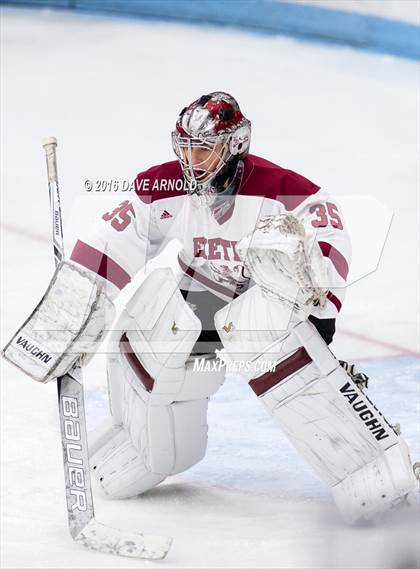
284,369
135,364
100,264
337,259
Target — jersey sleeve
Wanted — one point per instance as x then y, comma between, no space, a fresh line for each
121,242
322,217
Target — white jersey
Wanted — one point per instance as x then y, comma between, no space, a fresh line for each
160,211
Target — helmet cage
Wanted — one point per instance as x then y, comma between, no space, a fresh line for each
183,147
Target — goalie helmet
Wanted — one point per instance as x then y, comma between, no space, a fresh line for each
210,137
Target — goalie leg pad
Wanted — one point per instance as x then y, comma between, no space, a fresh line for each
171,439
158,402
117,466
333,424
377,486
337,428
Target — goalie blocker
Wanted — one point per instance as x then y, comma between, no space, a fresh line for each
69,321
330,421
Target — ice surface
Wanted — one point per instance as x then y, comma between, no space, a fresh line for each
110,90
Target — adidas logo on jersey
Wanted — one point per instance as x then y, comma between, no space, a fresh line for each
165,214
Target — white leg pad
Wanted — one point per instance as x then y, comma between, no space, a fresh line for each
333,424
377,486
118,467
152,442
340,432
158,403
190,433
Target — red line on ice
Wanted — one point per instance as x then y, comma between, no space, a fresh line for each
378,342
22,232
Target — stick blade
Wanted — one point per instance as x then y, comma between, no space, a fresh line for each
106,539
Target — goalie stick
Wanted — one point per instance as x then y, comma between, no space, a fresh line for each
83,526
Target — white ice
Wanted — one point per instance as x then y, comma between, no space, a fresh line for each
110,90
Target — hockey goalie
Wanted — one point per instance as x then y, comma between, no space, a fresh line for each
261,278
